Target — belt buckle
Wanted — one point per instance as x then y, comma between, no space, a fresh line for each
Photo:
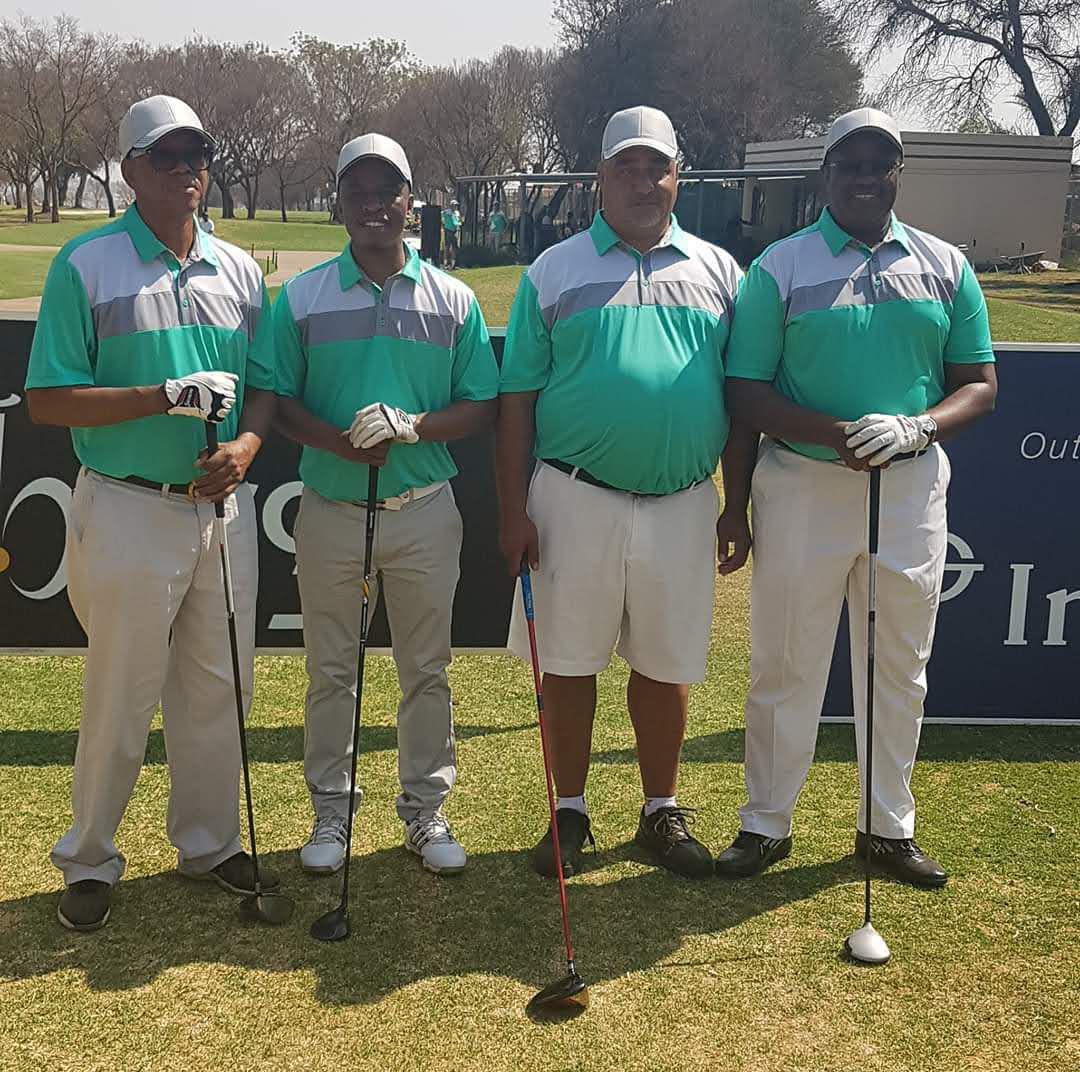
190,492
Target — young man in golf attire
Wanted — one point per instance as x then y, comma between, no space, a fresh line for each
858,342
147,298
382,359
613,380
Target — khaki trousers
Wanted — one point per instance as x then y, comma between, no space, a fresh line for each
144,579
416,559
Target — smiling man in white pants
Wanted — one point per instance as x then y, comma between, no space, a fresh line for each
382,360
145,297
857,343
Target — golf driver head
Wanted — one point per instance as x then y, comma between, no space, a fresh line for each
568,993
331,927
274,908
867,946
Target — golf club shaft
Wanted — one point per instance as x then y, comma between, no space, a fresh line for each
527,599
371,512
871,625
230,614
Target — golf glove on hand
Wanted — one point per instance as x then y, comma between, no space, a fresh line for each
208,395
881,437
378,422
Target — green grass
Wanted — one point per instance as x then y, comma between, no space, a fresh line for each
683,975
22,275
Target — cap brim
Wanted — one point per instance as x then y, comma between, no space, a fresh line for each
863,130
646,143
376,156
155,135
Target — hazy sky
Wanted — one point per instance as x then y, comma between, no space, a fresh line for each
436,31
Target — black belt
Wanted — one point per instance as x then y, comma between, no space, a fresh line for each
575,472
186,490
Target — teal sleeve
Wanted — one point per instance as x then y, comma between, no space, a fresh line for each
969,324
475,375
526,362
290,361
64,352
260,372
756,343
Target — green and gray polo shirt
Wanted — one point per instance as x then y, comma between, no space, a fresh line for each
119,310
626,352
419,342
846,330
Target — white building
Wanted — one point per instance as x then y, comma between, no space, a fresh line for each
989,192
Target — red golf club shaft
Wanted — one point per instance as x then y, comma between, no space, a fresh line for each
526,595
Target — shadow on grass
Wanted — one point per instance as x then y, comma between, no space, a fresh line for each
266,744
407,926
941,744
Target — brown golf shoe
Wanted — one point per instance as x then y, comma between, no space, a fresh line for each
85,905
237,875
666,836
903,860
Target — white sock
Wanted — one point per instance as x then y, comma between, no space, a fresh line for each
573,803
656,803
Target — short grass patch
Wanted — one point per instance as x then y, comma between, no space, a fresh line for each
684,975
22,275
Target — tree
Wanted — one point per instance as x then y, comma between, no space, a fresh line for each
55,73
961,55
726,71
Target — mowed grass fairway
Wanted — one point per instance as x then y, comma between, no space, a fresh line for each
683,975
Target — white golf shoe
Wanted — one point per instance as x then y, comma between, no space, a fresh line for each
324,852
430,838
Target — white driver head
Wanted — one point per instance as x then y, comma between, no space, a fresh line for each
867,946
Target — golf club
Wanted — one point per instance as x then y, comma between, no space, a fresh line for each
866,945
259,906
570,991
333,926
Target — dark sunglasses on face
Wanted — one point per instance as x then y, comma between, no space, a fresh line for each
197,158
386,194
873,169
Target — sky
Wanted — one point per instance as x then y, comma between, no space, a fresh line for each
436,31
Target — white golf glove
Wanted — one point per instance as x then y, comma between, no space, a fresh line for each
378,422
881,437
208,395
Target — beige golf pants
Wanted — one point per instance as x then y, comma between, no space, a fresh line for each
810,551
144,579
416,559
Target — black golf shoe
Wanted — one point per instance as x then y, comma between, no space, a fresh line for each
237,875
749,854
666,836
85,905
574,830
903,860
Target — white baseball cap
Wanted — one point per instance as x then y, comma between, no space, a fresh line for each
379,146
863,119
649,127
149,120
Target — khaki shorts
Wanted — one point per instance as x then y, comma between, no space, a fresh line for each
620,572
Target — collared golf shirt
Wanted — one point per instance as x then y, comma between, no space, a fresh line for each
419,342
451,219
626,352
846,330
119,310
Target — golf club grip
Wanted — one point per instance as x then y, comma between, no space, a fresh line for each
875,507
211,449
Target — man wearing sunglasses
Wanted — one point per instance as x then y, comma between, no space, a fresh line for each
148,329
858,342
382,360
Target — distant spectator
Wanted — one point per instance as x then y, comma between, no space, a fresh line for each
451,222
498,226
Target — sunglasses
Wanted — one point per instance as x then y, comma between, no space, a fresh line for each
873,169
197,158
